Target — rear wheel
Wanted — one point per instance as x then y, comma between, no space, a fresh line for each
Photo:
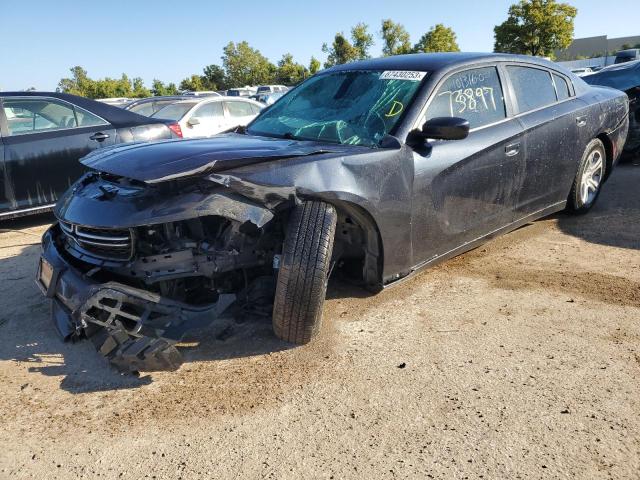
304,272
588,182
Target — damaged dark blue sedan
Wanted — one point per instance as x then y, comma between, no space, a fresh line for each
379,168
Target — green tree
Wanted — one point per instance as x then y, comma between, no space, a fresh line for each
214,78
160,89
344,51
289,72
438,39
341,51
362,40
81,84
395,39
139,90
192,84
314,65
78,84
536,27
245,65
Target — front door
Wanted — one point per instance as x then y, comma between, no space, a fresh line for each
466,189
45,139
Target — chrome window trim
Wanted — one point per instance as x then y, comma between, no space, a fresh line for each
496,65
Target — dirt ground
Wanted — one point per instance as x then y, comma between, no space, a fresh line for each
520,359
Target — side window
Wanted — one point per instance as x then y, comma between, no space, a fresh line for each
239,109
533,87
475,95
209,110
255,109
36,115
88,119
562,87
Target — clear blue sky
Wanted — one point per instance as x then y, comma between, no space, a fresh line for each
41,39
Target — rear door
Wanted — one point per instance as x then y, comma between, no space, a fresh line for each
239,113
45,138
547,110
466,189
211,119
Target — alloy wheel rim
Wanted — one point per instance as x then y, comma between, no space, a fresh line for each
592,177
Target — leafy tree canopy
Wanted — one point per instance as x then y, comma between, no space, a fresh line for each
344,51
395,38
245,65
438,39
80,84
536,27
290,72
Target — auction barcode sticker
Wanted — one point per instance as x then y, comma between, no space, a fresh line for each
402,75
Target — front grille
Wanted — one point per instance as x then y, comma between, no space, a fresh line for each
105,243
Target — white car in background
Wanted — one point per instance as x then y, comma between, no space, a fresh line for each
266,89
201,93
207,116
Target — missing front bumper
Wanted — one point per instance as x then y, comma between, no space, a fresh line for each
134,329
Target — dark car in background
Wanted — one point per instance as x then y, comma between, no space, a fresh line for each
42,137
379,168
626,77
149,106
629,55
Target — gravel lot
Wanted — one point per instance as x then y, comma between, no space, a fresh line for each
520,359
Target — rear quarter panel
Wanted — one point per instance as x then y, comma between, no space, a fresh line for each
609,116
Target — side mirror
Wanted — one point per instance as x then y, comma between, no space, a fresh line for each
193,121
446,128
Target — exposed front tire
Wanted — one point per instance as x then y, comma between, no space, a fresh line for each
304,271
588,182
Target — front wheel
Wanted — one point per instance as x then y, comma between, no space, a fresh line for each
588,182
304,272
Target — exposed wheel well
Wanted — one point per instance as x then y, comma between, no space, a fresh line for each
358,246
608,148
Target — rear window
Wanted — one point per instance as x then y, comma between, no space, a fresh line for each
264,89
562,87
174,111
143,109
533,87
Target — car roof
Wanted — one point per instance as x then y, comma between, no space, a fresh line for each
155,99
199,100
431,62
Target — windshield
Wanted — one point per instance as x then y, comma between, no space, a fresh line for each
175,111
354,107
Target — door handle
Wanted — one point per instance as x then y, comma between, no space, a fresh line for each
581,121
512,150
99,137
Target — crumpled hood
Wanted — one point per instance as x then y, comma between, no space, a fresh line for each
167,160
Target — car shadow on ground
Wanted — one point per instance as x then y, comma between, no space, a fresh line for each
27,336
615,219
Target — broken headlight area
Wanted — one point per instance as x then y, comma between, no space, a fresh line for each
137,291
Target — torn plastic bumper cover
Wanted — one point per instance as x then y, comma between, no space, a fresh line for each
134,329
